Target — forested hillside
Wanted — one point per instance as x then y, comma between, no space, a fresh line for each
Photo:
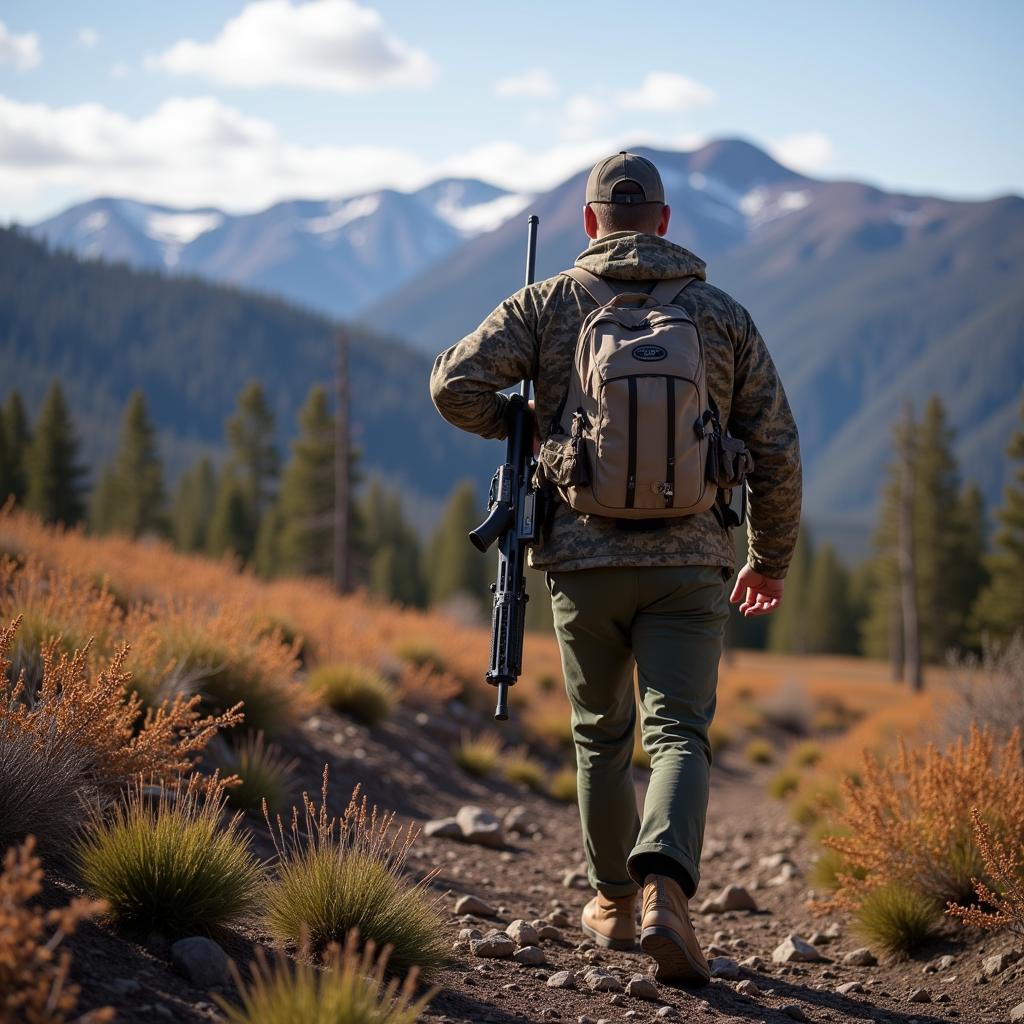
104,330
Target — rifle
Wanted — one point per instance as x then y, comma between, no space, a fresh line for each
513,519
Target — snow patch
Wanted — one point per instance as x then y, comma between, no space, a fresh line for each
475,220
908,218
348,211
761,207
96,221
181,228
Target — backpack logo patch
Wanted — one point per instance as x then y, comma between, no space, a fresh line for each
649,353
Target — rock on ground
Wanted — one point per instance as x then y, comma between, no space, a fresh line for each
748,988
642,987
523,934
597,979
1017,1013
563,979
724,967
480,827
201,960
795,950
493,946
919,995
473,905
732,897
530,956
997,963
860,957
443,828
848,987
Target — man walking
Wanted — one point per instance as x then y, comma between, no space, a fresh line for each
636,591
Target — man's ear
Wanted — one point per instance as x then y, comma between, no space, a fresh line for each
666,215
590,222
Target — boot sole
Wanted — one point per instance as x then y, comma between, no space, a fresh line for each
623,945
674,960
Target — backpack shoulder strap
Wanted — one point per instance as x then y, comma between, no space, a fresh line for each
600,291
665,291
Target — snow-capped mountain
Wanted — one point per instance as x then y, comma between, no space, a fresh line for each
335,255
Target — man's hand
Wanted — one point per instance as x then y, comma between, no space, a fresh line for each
759,594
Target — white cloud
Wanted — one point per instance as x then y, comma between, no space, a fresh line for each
536,84
88,37
331,45
187,152
807,151
667,92
582,114
21,51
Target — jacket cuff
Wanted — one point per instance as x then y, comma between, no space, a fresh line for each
772,570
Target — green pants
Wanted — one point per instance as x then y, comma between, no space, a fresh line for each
669,621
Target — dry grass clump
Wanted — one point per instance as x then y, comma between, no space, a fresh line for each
906,822
519,767
336,874
806,755
353,690
264,773
351,988
784,783
788,709
81,737
988,691
897,918
1004,865
170,863
719,738
33,976
563,786
479,755
423,655
759,752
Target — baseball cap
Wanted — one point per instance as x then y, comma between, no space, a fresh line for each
614,170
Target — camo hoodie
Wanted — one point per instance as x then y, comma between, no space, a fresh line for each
533,333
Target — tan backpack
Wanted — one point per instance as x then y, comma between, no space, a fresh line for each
637,436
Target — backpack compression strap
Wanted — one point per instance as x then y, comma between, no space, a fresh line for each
602,292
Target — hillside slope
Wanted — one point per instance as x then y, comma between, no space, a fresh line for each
190,346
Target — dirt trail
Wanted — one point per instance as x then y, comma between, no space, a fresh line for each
407,765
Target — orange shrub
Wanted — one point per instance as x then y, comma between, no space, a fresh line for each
33,977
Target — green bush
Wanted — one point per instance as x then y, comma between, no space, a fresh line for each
807,755
355,691
897,919
479,756
352,990
784,783
760,752
333,875
518,766
563,786
169,863
265,771
421,655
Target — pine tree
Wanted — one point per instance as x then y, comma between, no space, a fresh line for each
830,626
54,476
390,548
999,611
267,556
787,627
104,503
882,626
969,570
307,493
17,439
456,567
139,473
6,483
194,503
252,450
230,528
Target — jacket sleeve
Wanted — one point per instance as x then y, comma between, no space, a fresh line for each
762,418
467,378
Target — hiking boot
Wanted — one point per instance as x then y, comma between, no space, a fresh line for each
667,935
611,922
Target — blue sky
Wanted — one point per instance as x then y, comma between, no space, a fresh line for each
238,104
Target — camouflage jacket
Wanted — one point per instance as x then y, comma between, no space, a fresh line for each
533,334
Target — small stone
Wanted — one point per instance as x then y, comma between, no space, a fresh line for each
848,987
559,918
494,946
530,956
443,828
599,980
522,934
818,939
642,987
473,905
563,979
468,934
668,1013
773,861
996,964
748,988
794,1011
945,962
549,1013
618,999
793,950
786,874
575,879
549,933
833,931
1017,1013
520,822
943,997
732,897
725,968
460,946
480,827
860,957
585,1020
201,960
919,995
752,963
